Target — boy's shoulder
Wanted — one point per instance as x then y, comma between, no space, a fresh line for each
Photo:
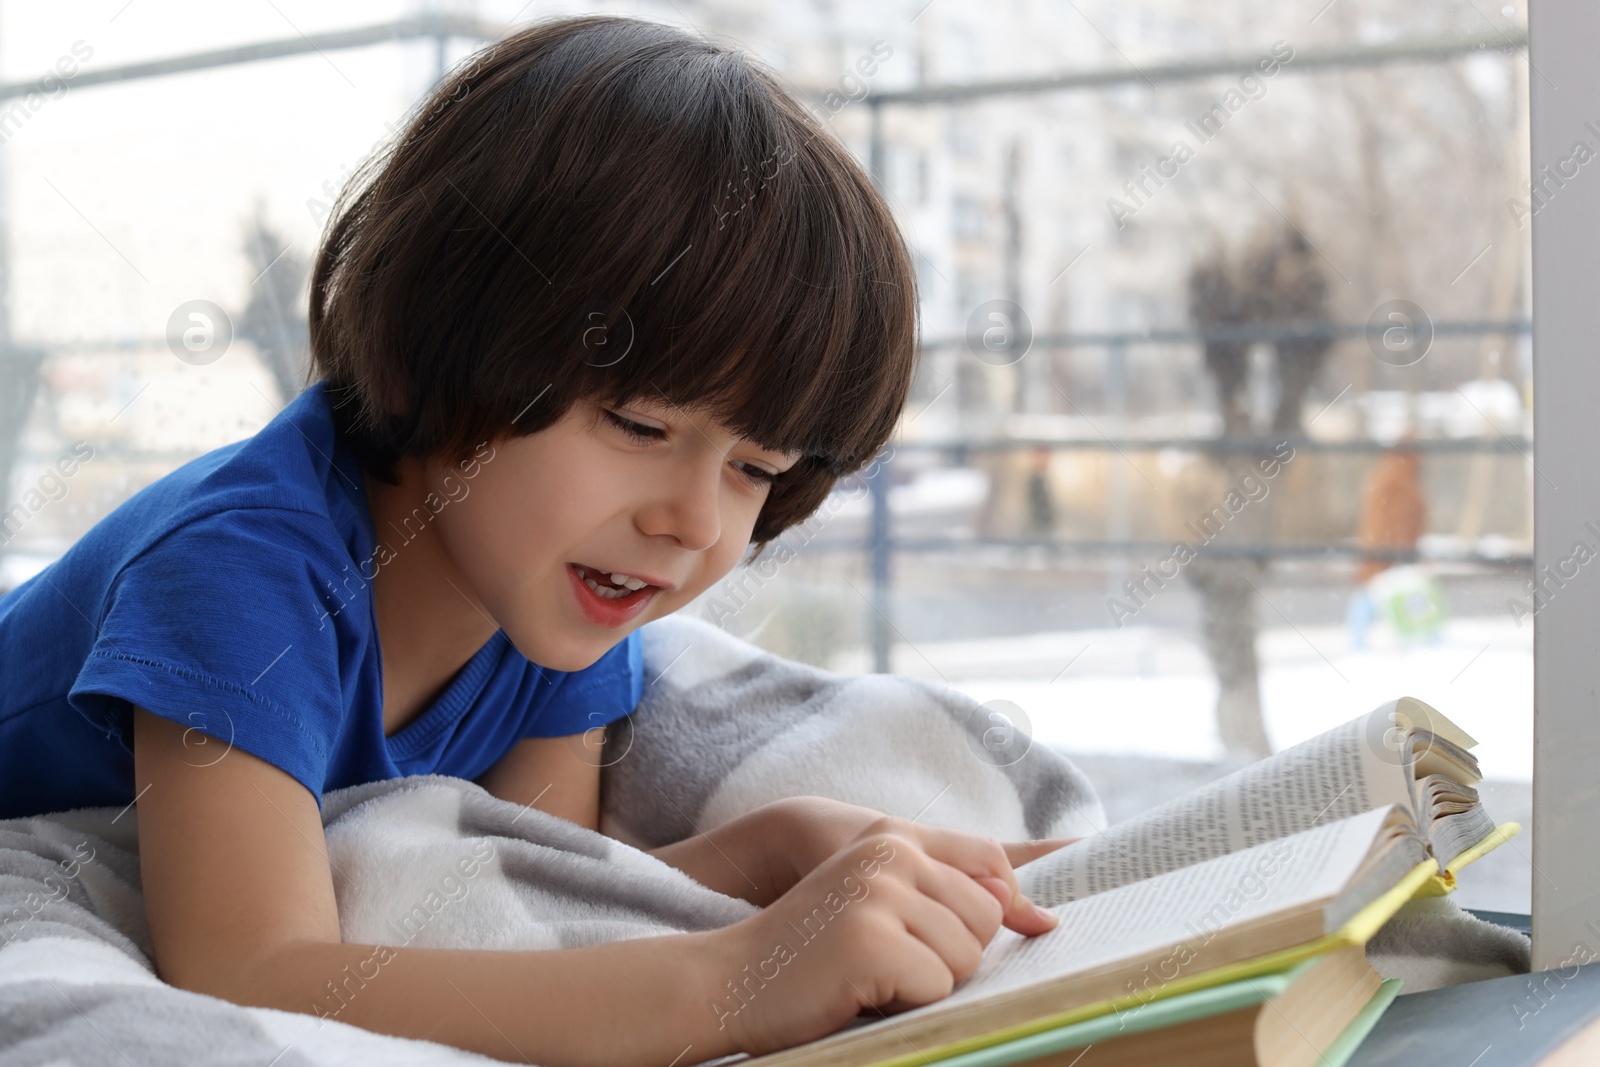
294,485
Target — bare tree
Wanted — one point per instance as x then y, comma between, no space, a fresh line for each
275,319
1278,279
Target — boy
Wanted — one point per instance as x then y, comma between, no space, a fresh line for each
610,312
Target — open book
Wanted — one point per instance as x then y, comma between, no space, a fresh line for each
1305,853
1403,752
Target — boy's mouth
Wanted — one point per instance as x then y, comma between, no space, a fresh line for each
612,585
609,598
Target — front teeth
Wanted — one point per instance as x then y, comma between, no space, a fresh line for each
605,591
610,592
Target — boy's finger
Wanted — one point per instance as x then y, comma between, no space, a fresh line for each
1021,914
974,856
998,887
1020,852
970,854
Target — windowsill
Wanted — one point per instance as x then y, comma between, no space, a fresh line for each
1515,920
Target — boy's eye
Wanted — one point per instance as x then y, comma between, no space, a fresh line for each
643,434
636,430
757,475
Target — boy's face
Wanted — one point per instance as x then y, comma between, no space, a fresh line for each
669,501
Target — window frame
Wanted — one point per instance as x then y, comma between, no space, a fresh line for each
1563,79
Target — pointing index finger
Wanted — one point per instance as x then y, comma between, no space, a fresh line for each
990,862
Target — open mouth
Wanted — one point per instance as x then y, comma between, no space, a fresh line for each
614,586
607,598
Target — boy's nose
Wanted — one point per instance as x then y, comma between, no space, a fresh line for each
688,509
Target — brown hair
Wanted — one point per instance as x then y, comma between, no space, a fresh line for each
604,207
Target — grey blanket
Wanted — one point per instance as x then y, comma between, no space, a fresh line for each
434,861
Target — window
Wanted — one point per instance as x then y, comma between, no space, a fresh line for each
1379,208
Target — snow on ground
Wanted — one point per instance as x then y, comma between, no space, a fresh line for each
1146,692
1134,708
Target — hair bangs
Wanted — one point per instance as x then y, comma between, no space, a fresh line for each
608,208
788,341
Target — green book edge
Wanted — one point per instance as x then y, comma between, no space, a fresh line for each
1170,1011
1345,1045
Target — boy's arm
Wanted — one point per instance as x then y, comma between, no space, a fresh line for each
240,901
561,775
755,856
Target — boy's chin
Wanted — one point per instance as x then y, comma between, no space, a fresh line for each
569,652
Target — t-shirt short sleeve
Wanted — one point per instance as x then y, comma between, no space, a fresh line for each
603,692
221,626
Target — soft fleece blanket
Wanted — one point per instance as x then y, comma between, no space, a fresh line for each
722,728
434,861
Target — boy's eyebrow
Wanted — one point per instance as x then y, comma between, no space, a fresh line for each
667,403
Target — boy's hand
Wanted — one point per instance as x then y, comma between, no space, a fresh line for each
891,920
803,832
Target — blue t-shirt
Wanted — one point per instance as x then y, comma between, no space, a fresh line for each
233,596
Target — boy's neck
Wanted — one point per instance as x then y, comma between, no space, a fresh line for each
430,623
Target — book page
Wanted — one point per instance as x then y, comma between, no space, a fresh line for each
1166,919
1336,774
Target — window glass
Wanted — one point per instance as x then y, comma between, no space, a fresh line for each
1221,430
